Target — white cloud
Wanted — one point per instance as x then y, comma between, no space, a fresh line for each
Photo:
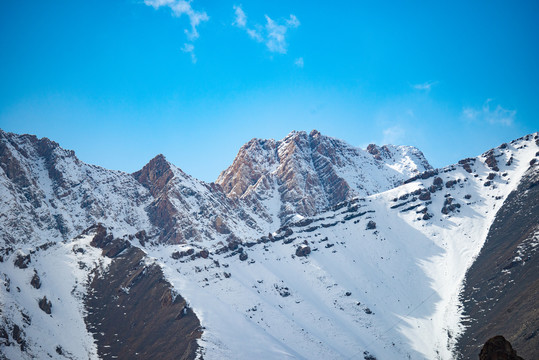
241,18
240,21
426,86
293,22
190,49
496,116
255,35
299,62
179,8
393,135
273,33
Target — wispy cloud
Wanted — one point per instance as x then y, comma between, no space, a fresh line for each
299,62
180,8
426,86
241,18
190,49
393,135
272,34
496,116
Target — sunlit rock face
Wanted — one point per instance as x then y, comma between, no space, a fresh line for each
304,174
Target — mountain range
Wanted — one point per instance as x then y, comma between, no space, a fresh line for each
306,247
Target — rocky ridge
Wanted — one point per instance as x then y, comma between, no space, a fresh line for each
304,174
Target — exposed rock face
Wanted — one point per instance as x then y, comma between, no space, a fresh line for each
307,173
185,209
501,287
497,348
132,310
45,305
303,250
36,281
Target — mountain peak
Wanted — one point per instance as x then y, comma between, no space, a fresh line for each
314,133
308,172
155,174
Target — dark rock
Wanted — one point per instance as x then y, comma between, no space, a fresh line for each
497,348
487,183
368,356
151,320
142,237
17,334
116,247
427,216
36,281
533,161
45,305
491,176
59,350
303,250
371,225
437,181
467,167
204,253
467,196
404,197
424,196
450,183
4,337
428,174
243,256
22,261
500,302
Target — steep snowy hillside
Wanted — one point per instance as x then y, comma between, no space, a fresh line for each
47,194
304,174
185,209
95,296
502,286
376,277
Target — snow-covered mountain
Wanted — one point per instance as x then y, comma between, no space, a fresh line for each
46,193
304,174
358,269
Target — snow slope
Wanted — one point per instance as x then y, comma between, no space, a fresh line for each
389,292
64,275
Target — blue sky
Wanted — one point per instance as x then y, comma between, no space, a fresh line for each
121,81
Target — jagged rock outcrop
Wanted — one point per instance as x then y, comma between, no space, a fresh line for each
497,348
307,173
185,209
